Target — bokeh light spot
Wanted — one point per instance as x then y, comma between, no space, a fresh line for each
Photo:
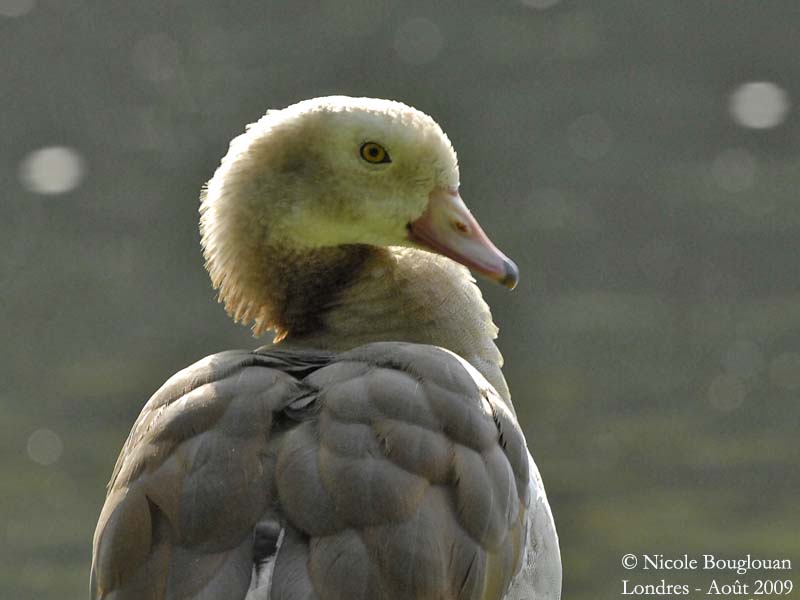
45,447
156,58
418,41
16,8
734,170
784,371
759,105
726,392
590,137
52,170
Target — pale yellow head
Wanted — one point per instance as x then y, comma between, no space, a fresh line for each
305,178
327,173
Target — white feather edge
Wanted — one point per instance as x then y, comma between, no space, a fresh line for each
261,579
540,575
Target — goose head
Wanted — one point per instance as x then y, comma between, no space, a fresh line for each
330,173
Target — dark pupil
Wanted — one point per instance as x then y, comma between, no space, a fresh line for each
373,152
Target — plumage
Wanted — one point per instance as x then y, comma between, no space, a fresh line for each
371,451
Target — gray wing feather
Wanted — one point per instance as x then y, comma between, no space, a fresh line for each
405,482
191,482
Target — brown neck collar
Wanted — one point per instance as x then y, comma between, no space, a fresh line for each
308,284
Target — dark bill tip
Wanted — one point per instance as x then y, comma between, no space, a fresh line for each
511,276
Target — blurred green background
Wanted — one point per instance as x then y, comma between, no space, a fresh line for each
640,160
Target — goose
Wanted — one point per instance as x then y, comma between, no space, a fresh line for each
371,451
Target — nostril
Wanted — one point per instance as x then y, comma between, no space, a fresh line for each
461,227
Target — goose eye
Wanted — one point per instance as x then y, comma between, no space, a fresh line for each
374,153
